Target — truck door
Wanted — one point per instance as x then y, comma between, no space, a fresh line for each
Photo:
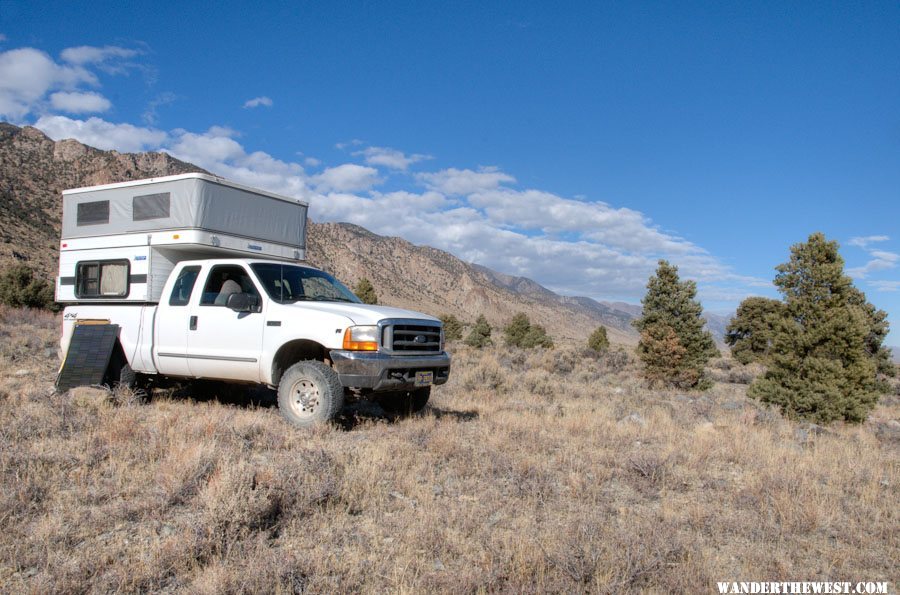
172,323
222,343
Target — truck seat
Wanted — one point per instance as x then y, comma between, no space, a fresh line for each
228,287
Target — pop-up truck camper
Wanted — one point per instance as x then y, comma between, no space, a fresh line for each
192,277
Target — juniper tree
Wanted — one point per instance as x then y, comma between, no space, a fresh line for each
19,287
878,328
598,341
480,335
750,331
674,345
453,328
537,337
521,333
365,291
827,345
517,328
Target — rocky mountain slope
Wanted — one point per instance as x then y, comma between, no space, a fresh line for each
436,282
34,170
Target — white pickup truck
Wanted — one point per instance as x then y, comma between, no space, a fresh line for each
194,277
282,325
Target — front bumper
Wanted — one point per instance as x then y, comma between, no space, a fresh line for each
381,371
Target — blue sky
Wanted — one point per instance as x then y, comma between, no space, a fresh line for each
573,143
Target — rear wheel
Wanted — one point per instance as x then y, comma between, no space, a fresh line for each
127,377
404,402
310,393
131,387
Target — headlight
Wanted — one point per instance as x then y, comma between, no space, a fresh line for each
361,338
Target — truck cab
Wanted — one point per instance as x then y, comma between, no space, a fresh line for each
249,320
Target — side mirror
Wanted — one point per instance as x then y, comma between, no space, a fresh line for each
242,302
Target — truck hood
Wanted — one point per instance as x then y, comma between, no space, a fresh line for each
362,313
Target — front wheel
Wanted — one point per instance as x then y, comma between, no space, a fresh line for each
404,402
310,393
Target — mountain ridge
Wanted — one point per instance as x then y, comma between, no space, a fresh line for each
35,169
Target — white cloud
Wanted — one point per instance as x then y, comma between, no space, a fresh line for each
348,177
109,57
102,134
258,101
889,286
27,75
390,158
151,115
465,181
79,103
864,241
885,255
572,246
573,267
216,150
596,221
206,149
575,247
350,143
881,261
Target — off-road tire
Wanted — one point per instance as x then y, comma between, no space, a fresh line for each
128,377
404,402
310,393
131,388
119,371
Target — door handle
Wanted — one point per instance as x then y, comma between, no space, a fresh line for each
193,326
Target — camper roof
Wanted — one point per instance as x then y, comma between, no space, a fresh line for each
199,176
184,202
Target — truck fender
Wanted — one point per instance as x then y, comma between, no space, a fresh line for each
292,352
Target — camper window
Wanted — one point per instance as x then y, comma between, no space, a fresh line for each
99,279
92,213
150,206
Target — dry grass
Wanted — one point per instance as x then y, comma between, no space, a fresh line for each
541,471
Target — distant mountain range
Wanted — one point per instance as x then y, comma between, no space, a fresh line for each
34,170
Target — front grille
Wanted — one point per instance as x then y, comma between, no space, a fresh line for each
416,338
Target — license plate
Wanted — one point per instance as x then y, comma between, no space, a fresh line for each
424,378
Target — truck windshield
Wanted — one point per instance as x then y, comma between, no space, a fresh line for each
287,283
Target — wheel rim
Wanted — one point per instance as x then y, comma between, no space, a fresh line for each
305,398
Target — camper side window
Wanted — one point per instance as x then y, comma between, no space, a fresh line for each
99,279
150,206
92,213
184,285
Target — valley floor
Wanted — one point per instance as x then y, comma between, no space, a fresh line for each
529,472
